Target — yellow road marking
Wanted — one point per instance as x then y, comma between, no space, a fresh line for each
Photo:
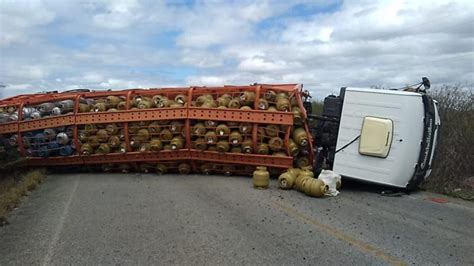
362,246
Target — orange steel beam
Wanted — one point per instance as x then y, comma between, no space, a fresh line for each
242,158
237,115
47,122
131,116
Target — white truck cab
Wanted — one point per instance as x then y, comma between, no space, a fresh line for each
381,136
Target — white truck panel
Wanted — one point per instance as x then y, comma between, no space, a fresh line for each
406,111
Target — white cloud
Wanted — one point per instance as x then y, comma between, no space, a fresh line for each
120,44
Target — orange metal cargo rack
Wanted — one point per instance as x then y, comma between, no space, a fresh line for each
186,113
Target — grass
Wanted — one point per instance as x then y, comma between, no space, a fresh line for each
16,186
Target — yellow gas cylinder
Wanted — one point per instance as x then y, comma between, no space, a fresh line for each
263,104
300,137
93,141
236,149
133,128
286,180
245,107
177,142
247,98
303,162
228,169
167,147
282,101
184,168
269,95
144,147
200,144
155,144
144,104
86,149
114,141
154,128
223,146
112,101
261,178
199,129
200,100
263,149
293,101
156,99
297,116
245,128
112,129
102,135
296,172
279,154
135,142
272,109
272,130
90,129
209,104
103,149
143,135
84,108
275,144
210,137
181,99
176,126
224,100
206,168
166,135
293,148
82,135
174,104
99,107
210,124
299,181
222,130
235,138
112,110
122,105
123,148
161,169
163,102
314,187
247,146
234,103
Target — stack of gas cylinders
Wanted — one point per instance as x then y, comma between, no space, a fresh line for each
159,121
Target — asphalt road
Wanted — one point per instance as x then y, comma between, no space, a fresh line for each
173,219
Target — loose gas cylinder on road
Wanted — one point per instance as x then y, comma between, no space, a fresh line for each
261,178
314,187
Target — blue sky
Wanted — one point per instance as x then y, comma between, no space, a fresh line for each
107,44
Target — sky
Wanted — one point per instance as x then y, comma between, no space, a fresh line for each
324,45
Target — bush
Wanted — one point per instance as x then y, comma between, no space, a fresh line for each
453,167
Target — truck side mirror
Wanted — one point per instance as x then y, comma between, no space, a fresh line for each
426,82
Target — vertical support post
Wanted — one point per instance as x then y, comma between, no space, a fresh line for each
125,125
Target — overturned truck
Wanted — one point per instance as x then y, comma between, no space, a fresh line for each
381,136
